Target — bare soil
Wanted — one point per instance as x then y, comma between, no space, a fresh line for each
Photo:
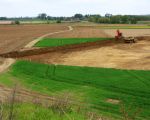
129,32
32,43
82,32
14,37
116,55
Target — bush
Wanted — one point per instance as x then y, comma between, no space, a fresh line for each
48,22
58,21
16,22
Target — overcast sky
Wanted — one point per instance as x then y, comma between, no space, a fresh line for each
16,8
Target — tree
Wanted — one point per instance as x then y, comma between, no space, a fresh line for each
104,20
17,22
3,18
125,19
42,16
58,21
108,15
49,18
133,21
94,18
78,16
115,19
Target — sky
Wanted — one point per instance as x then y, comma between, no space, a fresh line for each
18,8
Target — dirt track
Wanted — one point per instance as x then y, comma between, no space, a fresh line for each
32,43
121,55
5,63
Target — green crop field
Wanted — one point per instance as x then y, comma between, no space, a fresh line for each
91,86
53,42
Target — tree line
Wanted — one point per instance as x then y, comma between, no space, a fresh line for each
115,19
108,18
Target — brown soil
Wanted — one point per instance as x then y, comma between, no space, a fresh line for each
129,32
115,55
14,37
1,61
82,32
32,43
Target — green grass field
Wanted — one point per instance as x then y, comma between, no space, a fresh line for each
53,42
92,86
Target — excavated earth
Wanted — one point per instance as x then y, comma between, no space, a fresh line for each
107,55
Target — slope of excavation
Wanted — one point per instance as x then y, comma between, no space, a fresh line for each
124,56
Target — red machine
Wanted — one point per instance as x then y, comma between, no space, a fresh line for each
119,35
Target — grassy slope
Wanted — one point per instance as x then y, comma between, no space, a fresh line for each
53,42
91,85
28,111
